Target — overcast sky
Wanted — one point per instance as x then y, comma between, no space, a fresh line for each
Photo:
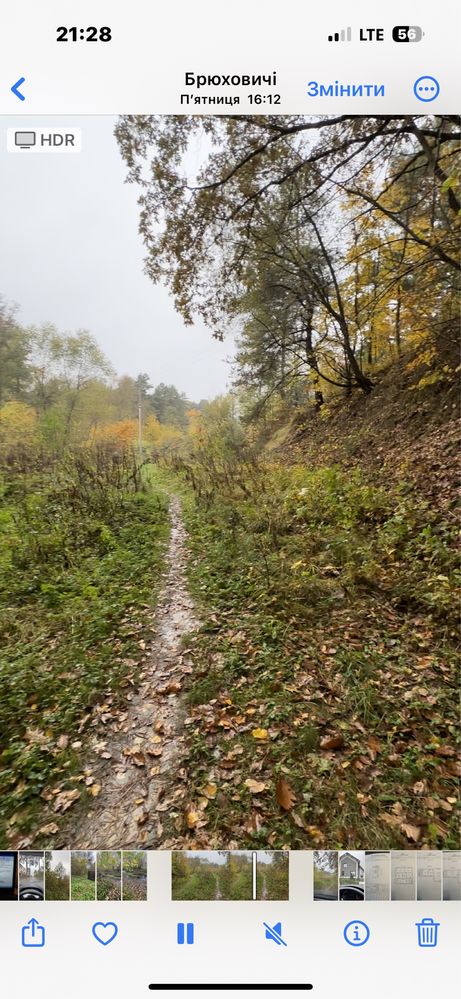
71,254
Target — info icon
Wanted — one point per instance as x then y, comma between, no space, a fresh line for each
356,933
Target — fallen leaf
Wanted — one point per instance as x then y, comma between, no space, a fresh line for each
411,832
192,817
210,791
48,830
332,742
255,786
444,751
138,759
316,834
173,687
391,820
95,790
260,733
374,746
63,742
285,795
65,799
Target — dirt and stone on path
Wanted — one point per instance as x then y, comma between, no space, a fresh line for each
146,751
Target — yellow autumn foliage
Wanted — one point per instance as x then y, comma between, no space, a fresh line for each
18,423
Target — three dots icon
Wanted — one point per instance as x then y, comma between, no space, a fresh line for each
426,88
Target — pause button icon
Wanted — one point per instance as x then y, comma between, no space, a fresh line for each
185,933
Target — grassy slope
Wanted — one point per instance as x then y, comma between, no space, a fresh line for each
71,633
327,608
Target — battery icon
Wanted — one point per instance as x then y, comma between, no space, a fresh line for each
407,33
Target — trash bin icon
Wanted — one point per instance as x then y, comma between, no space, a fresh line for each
427,933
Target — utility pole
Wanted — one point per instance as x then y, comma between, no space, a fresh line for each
140,417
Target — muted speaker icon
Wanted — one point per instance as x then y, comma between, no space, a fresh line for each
274,933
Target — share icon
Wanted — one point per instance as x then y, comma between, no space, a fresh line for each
275,933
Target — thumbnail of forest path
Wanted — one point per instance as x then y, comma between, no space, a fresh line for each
146,750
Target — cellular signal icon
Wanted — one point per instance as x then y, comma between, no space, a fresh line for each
345,35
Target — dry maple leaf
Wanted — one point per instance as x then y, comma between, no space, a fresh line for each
284,794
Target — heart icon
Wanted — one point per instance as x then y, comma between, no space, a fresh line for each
105,932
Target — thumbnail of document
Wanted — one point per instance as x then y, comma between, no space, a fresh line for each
429,875
377,875
452,875
403,875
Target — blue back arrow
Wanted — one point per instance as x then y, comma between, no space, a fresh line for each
15,88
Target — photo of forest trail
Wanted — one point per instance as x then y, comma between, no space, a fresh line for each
212,877
233,621
223,876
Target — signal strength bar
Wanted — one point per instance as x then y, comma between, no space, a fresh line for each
345,35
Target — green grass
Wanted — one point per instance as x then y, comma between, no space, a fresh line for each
108,889
231,881
326,881
56,888
328,607
82,890
80,570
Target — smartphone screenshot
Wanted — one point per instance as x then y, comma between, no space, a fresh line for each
229,499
